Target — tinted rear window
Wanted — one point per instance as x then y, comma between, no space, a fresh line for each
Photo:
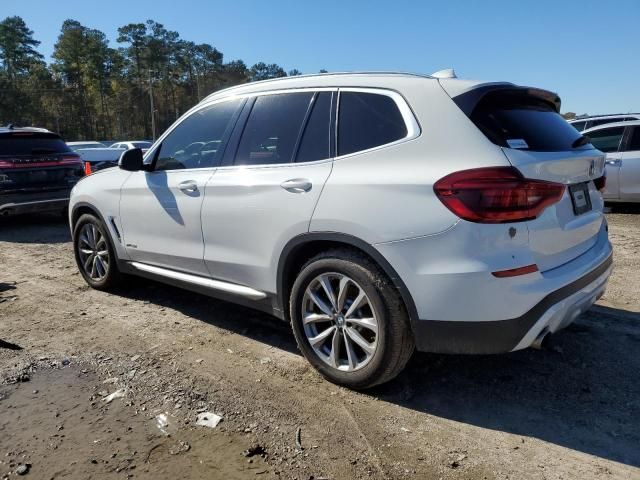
316,139
273,128
27,144
368,120
517,120
634,142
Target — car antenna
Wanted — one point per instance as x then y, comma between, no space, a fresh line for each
446,73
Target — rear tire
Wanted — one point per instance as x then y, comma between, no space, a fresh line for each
94,253
349,320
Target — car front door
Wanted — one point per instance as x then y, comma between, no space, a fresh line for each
608,140
630,168
267,193
160,207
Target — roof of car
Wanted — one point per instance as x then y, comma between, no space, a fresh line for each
598,117
12,129
454,86
628,123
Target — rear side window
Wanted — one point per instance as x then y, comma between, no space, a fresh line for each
606,139
517,120
273,128
32,144
579,126
316,139
634,141
368,120
199,140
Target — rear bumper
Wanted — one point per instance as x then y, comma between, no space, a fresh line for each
554,312
21,203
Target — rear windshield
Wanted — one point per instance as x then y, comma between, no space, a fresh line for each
525,122
31,144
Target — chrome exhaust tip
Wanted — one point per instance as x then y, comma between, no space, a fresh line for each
540,342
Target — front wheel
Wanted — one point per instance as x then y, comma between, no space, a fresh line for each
349,321
94,253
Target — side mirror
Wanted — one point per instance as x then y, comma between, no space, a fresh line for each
131,160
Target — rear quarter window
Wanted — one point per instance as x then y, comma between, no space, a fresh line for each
368,120
32,144
518,120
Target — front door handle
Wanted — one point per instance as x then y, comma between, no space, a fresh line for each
188,186
297,185
616,162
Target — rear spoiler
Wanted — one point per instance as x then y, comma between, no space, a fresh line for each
468,100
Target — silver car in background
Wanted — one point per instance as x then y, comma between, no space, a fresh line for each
621,142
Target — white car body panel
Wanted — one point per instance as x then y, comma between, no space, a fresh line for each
160,217
248,217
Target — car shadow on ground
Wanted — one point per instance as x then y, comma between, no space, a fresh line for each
233,318
582,392
35,228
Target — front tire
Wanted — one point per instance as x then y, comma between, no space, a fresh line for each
349,321
94,253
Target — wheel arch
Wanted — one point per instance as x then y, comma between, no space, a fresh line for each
303,247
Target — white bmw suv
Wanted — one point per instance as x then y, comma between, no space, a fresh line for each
377,213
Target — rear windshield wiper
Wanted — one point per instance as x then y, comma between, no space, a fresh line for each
581,141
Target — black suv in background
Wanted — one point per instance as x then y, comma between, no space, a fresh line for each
37,171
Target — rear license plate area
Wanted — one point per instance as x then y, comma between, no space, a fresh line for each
580,198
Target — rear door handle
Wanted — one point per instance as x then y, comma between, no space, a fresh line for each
297,185
616,162
188,186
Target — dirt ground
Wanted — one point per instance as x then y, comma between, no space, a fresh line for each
569,411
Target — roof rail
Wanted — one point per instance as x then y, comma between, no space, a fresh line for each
327,74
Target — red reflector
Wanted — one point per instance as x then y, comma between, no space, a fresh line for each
514,272
496,195
600,182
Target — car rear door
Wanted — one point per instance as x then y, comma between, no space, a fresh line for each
542,145
160,208
266,193
629,170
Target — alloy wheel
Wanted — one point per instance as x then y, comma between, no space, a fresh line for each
93,252
339,321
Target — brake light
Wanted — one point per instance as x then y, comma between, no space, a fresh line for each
35,162
600,182
87,168
496,195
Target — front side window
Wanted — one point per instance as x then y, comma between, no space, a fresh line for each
273,128
199,140
368,120
606,139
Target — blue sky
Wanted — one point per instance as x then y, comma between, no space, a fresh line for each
585,50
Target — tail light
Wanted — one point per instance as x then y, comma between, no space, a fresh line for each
87,168
35,162
600,182
496,195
